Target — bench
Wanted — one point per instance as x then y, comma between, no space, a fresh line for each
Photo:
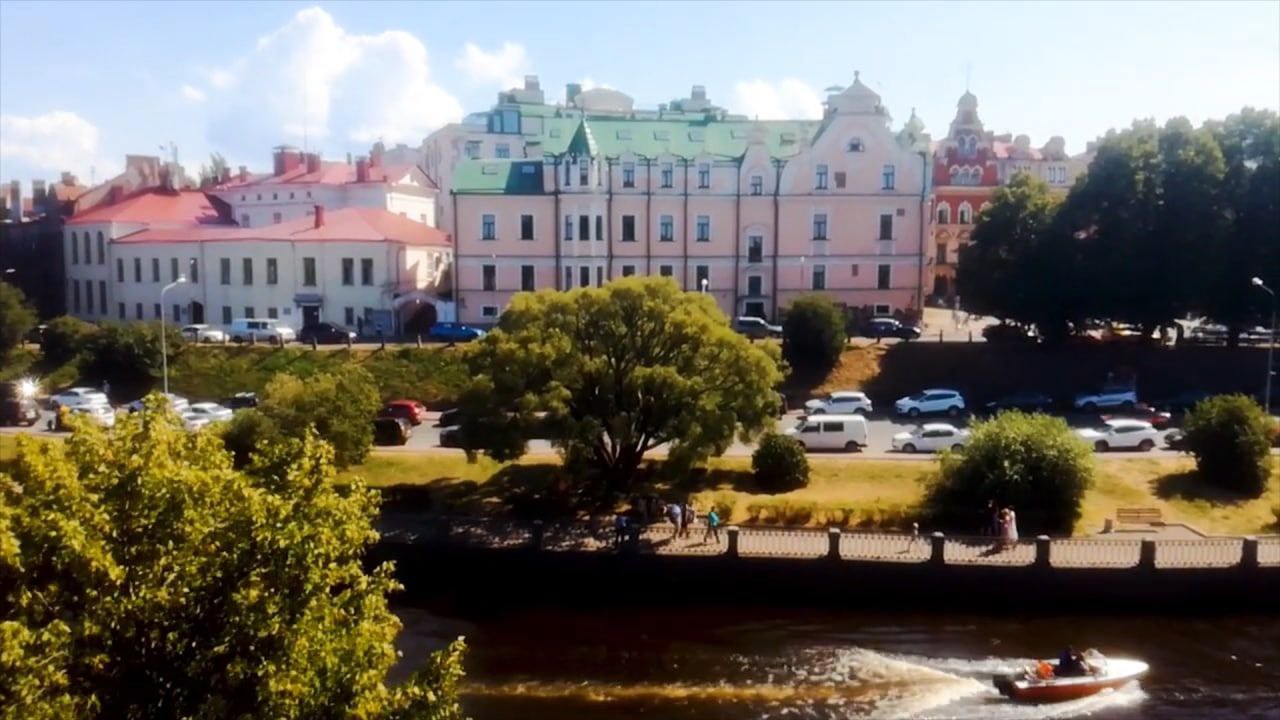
1139,516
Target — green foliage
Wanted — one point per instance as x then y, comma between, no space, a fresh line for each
339,405
245,433
779,463
618,371
16,317
64,339
1031,462
813,334
145,577
126,355
1230,437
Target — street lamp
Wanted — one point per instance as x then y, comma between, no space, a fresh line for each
1271,345
703,283
164,353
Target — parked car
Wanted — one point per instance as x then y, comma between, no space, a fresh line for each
178,403
200,333
1008,332
1123,397
453,332
241,400
212,411
927,402
411,410
17,404
1208,334
78,397
451,437
102,414
266,330
450,418
756,328
931,437
391,431
1183,401
831,432
843,402
1119,434
1024,401
325,333
194,421
889,328
1176,440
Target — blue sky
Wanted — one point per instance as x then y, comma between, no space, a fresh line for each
81,84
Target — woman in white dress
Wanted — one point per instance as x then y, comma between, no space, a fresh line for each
1011,527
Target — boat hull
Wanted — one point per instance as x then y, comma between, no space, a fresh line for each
1020,687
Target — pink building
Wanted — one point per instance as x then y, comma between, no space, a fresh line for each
754,213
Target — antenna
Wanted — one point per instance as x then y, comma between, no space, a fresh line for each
968,71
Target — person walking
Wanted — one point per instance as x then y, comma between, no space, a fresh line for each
713,526
673,512
915,535
619,529
1013,526
687,517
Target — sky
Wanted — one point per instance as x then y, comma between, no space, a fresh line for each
84,83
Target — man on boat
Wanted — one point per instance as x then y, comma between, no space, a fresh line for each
1071,664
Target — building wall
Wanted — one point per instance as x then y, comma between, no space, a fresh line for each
259,205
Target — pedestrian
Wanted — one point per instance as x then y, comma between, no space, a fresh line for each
673,512
1012,532
687,516
619,529
993,519
359,327
915,535
713,526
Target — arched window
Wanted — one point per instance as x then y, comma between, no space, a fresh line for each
944,214
976,175
957,178
973,145
966,214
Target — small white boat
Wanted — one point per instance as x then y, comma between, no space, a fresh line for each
1035,685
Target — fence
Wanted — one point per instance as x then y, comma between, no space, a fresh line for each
834,544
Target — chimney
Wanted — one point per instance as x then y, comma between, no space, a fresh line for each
348,158
286,159
375,155
362,169
166,179
226,176
571,91
319,216
244,174
114,194
699,92
313,162
38,195
15,201
68,178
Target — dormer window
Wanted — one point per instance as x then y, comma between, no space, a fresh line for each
854,145
820,178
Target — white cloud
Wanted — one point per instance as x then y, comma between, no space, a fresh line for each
589,83
193,93
504,68
47,144
312,79
787,99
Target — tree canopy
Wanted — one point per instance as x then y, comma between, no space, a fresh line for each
16,317
145,577
813,335
611,373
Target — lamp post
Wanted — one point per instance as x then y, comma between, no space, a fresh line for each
703,283
1271,344
164,352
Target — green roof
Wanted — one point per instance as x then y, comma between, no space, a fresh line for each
504,177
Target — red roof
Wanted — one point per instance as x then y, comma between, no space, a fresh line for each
156,208
330,173
345,225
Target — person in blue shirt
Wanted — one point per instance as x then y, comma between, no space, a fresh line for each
713,525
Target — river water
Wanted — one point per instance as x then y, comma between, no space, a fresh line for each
753,664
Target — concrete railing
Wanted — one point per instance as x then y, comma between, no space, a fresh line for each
835,544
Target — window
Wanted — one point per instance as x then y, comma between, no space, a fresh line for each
502,151
628,270
119,269
194,268
755,248
704,175
628,228
155,311
584,227
271,313
275,196
226,313
472,149
820,178
886,226
526,227
568,278
966,214
599,227
667,175
526,278
348,271
568,227
819,277
248,311
489,277
273,276
755,285
120,310
628,174
173,269
137,270
599,276
944,214
276,218
584,172
366,271
853,272
757,185
584,276
820,226
244,219
137,312
888,177
664,270
942,253
704,228
102,249
568,175
701,276
489,311
155,269
308,271
854,145
75,250
177,312
884,274
87,258
666,229
246,270
840,179
488,229
88,294
348,316
102,296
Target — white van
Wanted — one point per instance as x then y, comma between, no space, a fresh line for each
260,330
831,432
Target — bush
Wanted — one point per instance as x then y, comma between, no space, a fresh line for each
779,464
127,356
245,433
1230,437
63,340
339,404
16,317
1031,462
813,335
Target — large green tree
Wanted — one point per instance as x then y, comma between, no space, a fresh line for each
16,317
618,371
339,405
144,577
813,335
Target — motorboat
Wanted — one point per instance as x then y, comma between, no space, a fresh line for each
1040,684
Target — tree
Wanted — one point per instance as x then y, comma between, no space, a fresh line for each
211,174
339,405
1031,462
146,578
618,371
127,356
779,463
16,317
64,339
1230,437
813,335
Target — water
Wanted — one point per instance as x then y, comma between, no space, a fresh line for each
737,664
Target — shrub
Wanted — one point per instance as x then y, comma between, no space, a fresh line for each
63,340
16,317
813,335
127,356
779,464
1031,462
245,433
1230,436
339,404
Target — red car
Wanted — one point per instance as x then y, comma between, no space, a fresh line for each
411,410
1142,411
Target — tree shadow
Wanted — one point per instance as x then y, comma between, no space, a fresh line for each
1189,486
527,491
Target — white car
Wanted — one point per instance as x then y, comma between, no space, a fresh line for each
192,421
830,432
213,412
931,437
203,334
1121,435
78,397
844,402
261,330
1124,398
102,414
931,401
178,403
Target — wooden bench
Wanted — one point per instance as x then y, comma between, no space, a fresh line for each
1139,516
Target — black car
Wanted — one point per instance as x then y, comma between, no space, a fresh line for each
391,431
325,333
1024,401
890,328
450,418
1007,332
240,401
451,437
1181,402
